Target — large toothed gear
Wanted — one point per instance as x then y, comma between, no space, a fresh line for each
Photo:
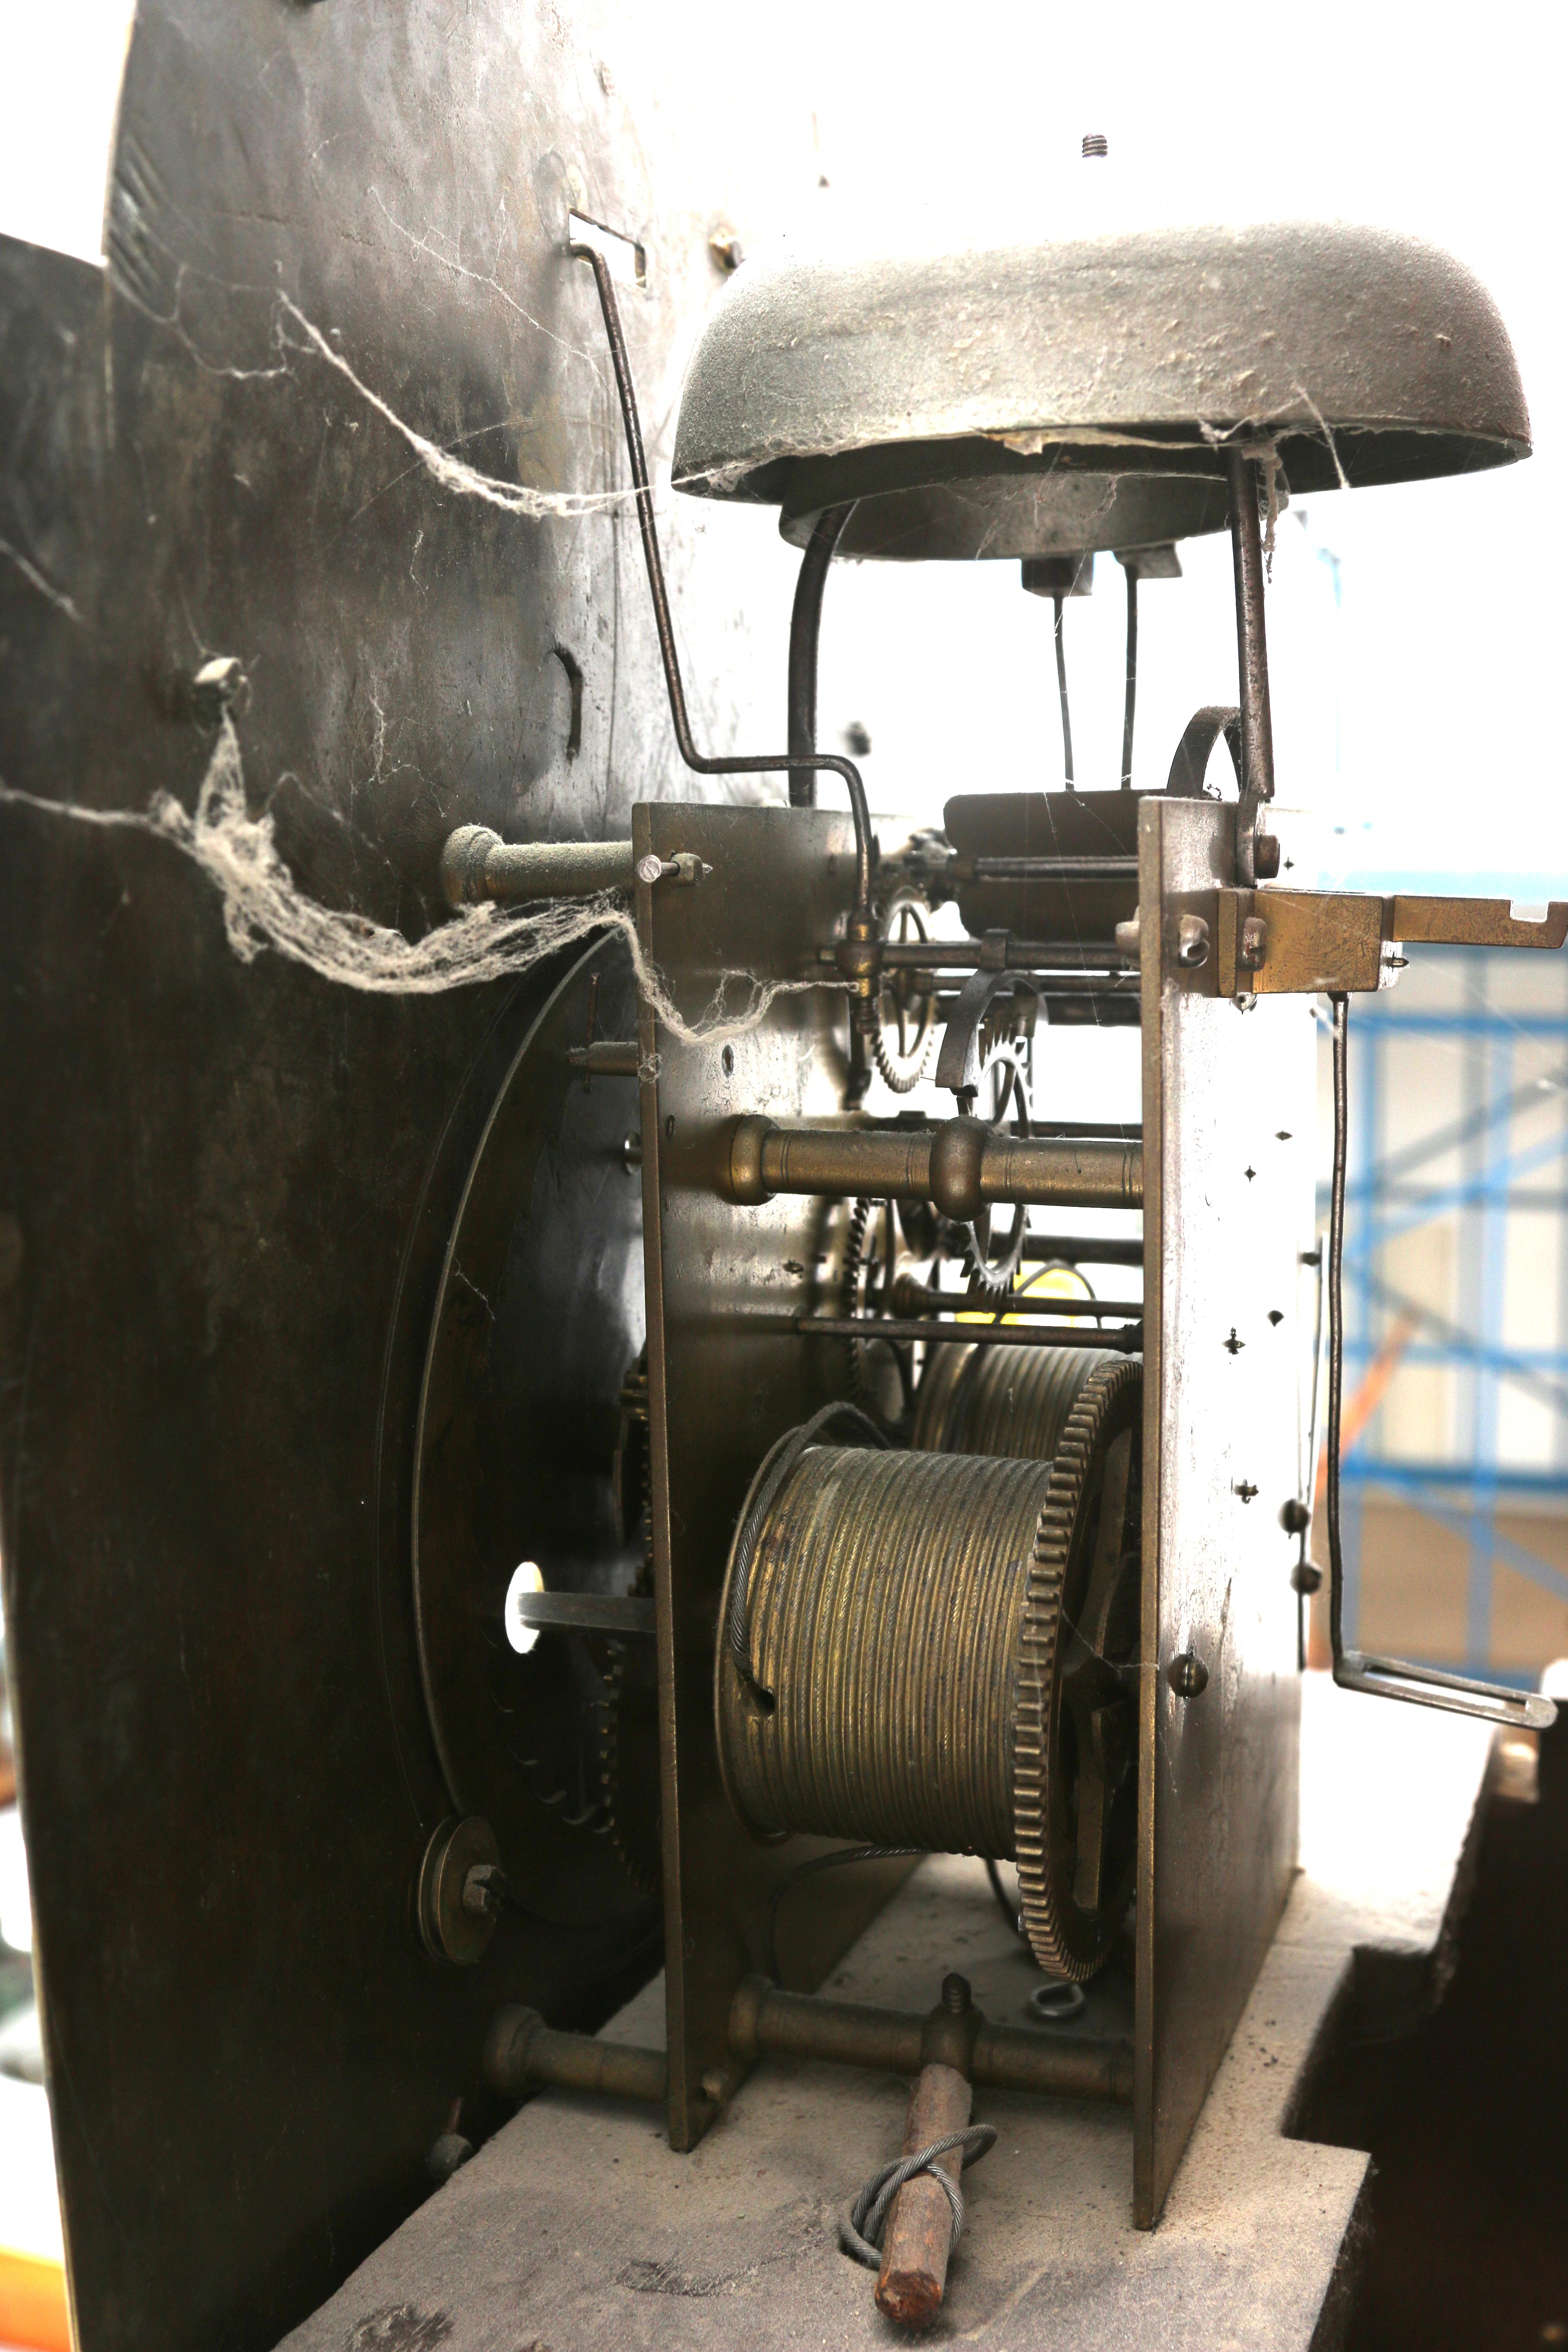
903,1043
1075,1781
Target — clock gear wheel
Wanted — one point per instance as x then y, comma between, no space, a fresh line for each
1075,1782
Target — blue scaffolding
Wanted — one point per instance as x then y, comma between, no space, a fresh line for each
1391,1192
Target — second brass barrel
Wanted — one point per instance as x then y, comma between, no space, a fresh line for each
1007,1400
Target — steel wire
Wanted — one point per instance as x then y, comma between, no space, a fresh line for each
858,2236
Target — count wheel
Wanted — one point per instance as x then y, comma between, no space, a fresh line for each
906,1031
993,1252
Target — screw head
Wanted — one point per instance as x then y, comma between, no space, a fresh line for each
1265,856
1253,946
479,1898
1307,1577
1187,1675
448,1928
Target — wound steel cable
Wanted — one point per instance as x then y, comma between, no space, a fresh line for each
1001,1399
839,1419
859,2234
885,1594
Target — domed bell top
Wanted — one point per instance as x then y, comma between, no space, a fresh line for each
1033,399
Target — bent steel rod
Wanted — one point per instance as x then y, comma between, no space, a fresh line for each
1252,659
804,633
767,764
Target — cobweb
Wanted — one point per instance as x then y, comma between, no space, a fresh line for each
264,909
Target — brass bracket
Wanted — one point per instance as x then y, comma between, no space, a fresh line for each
1274,942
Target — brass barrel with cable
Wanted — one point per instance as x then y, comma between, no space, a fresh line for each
1002,1400
938,1650
887,1592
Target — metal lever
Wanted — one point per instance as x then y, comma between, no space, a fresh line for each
1308,943
1428,1686
1387,1677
